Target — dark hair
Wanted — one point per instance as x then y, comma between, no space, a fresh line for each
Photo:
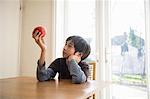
80,45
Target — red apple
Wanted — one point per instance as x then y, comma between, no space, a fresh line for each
40,30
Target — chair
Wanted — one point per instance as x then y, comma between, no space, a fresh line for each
92,76
92,69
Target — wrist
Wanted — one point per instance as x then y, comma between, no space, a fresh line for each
73,60
43,50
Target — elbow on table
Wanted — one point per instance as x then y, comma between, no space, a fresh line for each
40,79
78,80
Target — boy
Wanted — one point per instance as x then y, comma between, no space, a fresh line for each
70,66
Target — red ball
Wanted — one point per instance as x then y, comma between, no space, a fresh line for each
40,30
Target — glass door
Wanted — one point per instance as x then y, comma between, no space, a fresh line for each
127,31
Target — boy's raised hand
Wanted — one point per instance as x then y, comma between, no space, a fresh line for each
39,40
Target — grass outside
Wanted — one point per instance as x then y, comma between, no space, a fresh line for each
131,79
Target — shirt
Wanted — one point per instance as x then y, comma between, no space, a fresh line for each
78,72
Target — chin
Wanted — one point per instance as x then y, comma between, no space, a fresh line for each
65,56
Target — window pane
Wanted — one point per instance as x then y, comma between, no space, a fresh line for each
128,52
80,20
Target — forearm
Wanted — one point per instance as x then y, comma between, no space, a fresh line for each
76,72
42,57
44,74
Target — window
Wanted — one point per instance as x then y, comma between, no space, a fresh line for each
116,30
127,31
75,17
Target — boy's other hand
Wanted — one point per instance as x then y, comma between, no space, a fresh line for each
77,56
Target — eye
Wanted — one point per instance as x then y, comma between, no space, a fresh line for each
70,45
65,43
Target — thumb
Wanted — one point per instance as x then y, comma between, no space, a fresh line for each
40,39
43,40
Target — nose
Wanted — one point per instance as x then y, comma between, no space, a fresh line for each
65,47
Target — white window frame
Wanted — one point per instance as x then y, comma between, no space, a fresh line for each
147,43
102,27
58,26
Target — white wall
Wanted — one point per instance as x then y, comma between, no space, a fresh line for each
9,38
35,12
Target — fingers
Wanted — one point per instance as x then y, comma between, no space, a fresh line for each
35,33
78,54
37,36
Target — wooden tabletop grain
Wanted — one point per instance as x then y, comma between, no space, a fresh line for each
30,88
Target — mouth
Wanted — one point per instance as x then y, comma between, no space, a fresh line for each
64,54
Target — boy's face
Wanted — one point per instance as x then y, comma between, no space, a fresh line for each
68,49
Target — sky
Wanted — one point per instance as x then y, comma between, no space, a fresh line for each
126,14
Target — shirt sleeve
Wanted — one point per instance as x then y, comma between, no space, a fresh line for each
44,74
76,72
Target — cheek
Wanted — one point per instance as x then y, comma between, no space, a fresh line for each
72,51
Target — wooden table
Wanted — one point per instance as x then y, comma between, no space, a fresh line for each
30,88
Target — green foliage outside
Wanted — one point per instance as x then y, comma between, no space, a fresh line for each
134,40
